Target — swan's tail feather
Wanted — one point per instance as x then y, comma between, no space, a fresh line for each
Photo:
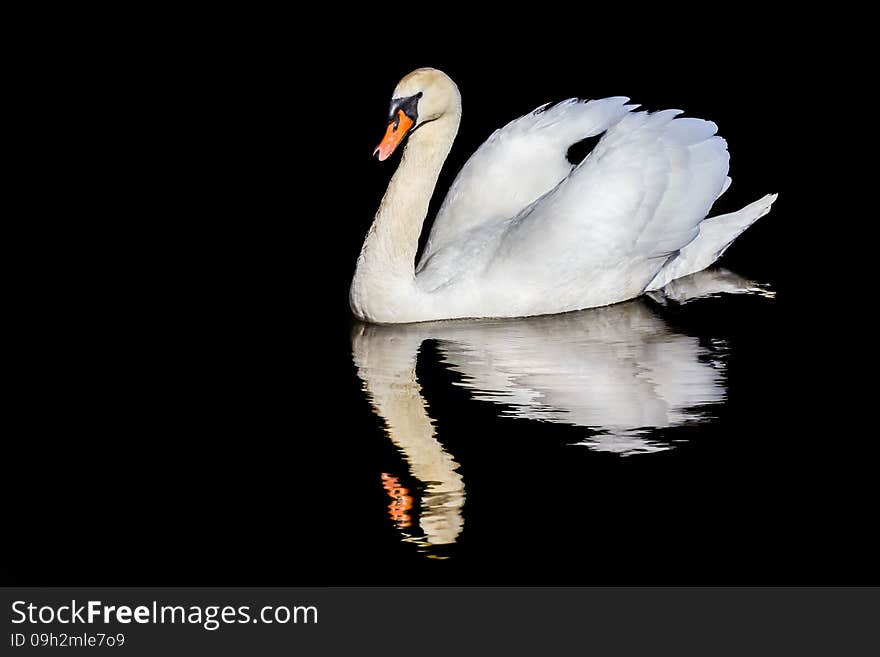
715,236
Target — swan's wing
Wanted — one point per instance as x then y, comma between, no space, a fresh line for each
625,211
517,164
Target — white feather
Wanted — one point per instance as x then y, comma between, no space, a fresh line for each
600,235
517,164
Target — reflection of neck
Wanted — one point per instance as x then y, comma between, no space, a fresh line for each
388,370
383,287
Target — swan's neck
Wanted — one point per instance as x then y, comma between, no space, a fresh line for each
383,289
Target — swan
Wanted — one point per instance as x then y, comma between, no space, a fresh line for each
521,231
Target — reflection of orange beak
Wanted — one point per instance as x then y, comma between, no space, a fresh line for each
402,501
393,135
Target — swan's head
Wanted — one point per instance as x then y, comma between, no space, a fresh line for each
424,95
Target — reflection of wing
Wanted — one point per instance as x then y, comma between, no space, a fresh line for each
617,369
517,164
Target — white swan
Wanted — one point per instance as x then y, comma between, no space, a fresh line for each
523,232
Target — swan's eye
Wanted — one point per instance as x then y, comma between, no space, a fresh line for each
403,115
409,106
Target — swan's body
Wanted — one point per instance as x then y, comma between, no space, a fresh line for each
523,232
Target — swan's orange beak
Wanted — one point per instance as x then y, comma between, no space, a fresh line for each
397,129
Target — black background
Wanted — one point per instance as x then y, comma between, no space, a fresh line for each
196,189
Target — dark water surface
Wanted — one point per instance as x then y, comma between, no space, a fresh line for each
661,440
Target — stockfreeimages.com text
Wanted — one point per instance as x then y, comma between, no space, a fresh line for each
211,617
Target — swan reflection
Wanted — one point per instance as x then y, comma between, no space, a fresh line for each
620,372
